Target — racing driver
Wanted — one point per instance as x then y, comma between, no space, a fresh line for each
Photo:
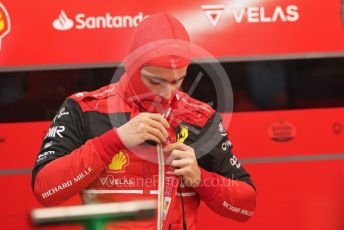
105,145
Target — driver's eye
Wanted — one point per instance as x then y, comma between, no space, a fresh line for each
154,82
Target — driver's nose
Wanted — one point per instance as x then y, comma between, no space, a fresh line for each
166,91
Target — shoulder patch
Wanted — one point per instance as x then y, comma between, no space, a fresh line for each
95,100
97,94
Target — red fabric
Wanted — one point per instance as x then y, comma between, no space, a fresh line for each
88,162
229,198
108,144
57,174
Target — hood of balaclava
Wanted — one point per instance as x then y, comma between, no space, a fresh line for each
159,40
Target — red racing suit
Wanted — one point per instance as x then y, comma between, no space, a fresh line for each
82,153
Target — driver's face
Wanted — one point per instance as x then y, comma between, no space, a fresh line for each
163,81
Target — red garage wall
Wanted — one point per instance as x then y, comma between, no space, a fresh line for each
295,159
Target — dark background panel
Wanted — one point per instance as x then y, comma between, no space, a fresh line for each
257,86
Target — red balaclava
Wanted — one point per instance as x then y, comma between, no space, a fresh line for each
159,40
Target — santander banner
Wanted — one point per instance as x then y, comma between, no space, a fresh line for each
53,33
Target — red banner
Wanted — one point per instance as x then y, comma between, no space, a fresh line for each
40,33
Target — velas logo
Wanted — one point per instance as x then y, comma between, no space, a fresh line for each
111,181
282,131
213,12
5,23
82,21
249,12
63,22
119,161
